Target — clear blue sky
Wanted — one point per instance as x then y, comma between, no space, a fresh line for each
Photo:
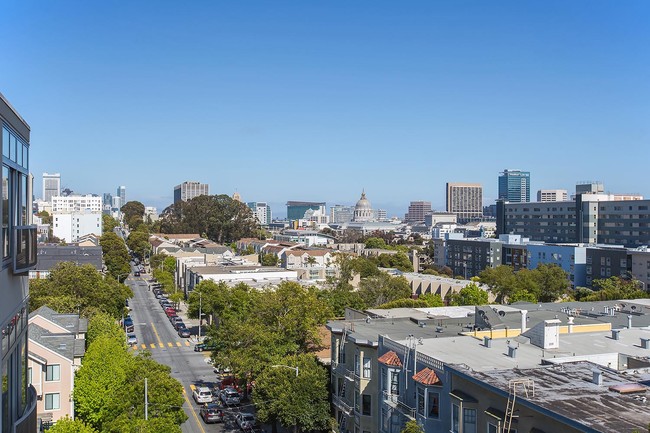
307,100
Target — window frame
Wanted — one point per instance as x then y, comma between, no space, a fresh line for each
51,397
50,375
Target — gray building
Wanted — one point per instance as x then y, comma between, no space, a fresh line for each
121,193
603,263
190,189
296,209
417,211
465,200
51,186
50,256
468,257
341,214
18,410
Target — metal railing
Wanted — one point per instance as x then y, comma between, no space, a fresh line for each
340,403
394,401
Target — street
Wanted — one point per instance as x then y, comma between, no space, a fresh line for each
156,334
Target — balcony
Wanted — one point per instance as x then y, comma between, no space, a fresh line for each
341,370
24,251
28,423
341,404
393,401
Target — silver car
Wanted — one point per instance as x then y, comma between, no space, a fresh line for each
245,421
229,396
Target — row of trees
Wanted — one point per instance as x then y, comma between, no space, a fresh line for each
259,329
109,386
546,283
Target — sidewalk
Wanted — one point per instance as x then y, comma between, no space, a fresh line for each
192,324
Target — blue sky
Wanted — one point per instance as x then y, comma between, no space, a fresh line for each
294,100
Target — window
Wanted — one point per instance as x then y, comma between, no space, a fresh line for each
357,365
420,402
434,404
53,372
394,382
366,401
492,428
356,401
52,401
367,371
455,418
469,420
341,352
340,388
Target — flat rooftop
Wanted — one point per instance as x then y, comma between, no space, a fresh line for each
568,390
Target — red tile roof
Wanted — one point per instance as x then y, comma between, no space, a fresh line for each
427,377
391,359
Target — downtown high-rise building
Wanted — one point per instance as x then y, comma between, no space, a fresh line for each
121,193
417,211
190,189
514,186
261,210
465,200
341,214
51,186
546,195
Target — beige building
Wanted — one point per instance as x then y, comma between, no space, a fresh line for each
465,200
57,343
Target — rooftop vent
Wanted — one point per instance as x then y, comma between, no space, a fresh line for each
597,377
615,334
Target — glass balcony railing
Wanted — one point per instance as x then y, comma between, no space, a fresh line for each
24,252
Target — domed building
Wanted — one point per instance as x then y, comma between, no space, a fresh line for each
363,210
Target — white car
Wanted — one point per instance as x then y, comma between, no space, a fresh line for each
245,421
131,339
202,394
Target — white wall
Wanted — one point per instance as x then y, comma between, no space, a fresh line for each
71,226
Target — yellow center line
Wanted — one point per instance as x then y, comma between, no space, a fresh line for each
144,346
153,346
187,343
178,343
196,417
170,344
160,343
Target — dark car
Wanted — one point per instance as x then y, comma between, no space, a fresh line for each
179,324
200,347
211,413
136,274
184,333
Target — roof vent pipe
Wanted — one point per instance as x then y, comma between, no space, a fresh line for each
597,377
615,333
645,343
524,314
512,352
570,325
629,321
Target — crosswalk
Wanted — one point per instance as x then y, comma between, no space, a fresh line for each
160,345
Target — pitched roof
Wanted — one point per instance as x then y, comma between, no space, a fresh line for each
63,344
390,359
49,256
313,253
427,376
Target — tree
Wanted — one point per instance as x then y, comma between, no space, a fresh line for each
109,223
376,243
218,217
103,324
293,400
398,261
404,303
71,288
553,282
471,294
116,256
269,260
432,300
68,425
412,426
614,288
383,288
133,214
501,281
339,298
138,242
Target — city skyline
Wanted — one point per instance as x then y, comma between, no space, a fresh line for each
345,96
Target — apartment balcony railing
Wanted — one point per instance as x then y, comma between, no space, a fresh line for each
24,251
394,401
341,370
28,423
341,404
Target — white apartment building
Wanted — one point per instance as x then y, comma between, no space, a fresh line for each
546,195
77,203
261,210
151,213
69,227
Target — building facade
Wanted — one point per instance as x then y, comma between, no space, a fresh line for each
261,210
296,210
121,193
190,189
51,185
514,186
468,257
465,200
18,240
417,211
69,227
544,195
77,203
341,214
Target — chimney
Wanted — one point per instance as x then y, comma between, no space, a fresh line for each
570,325
524,314
629,321
597,377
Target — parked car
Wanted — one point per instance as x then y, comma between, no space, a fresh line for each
246,421
206,345
184,333
212,413
179,324
128,324
229,396
131,339
202,395
136,274
172,318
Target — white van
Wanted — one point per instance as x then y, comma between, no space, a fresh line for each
202,395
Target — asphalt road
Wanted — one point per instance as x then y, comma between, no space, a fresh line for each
156,334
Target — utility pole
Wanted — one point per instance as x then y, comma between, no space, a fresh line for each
200,316
146,401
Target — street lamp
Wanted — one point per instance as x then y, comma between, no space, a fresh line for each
200,316
286,366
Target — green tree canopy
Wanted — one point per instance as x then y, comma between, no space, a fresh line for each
471,294
612,288
109,223
68,425
217,217
71,288
404,303
138,242
269,260
432,300
383,288
133,214
116,256
546,283
293,400
412,427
